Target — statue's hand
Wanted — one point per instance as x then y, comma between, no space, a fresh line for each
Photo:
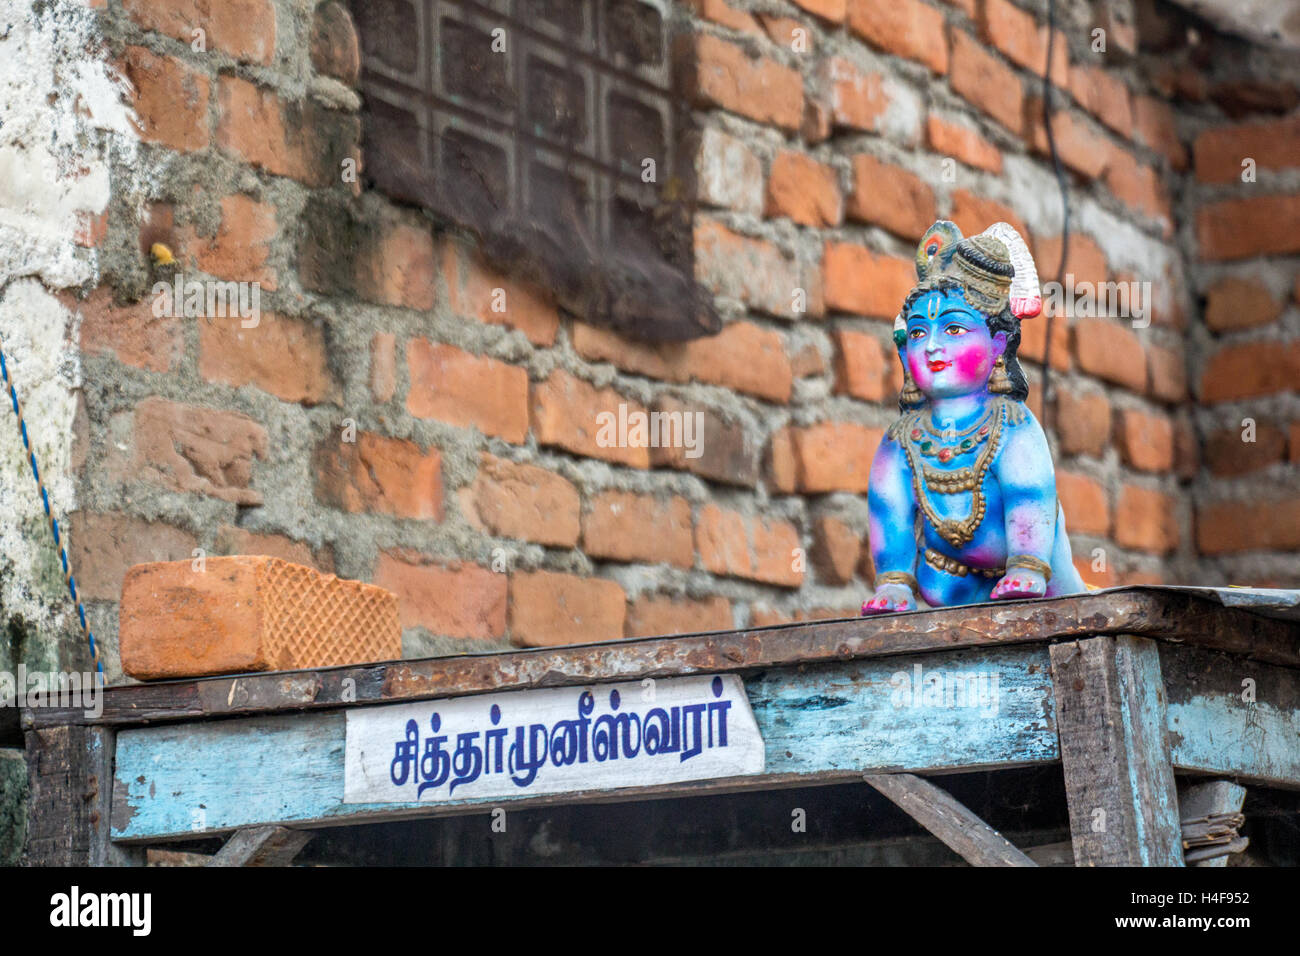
889,597
1020,583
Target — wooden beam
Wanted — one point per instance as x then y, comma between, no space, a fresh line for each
261,846
960,830
1233,717
1178,617
1119,776
69,798
1210,800
819,724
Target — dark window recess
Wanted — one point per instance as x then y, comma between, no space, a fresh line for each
540,150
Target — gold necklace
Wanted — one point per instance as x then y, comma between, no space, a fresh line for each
956,532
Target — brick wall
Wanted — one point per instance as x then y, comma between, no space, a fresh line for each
404,414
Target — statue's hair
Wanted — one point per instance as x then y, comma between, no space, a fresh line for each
1002,321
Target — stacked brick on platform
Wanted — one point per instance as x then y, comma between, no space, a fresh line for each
405,414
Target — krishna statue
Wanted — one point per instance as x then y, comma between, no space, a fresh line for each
962,495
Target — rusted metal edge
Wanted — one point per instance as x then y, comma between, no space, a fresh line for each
1167,617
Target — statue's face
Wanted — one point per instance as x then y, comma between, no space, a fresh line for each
949,349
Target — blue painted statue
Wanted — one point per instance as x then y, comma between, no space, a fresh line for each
962,493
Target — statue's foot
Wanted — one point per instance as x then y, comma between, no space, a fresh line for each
1020,583
890,598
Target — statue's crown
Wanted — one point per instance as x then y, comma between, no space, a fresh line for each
995,267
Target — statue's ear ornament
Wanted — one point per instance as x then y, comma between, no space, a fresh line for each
1026,297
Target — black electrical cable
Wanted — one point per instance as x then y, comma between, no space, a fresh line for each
1065,200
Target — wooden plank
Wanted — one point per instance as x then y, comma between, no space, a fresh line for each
70,787
1231,717
1177,617
261,846
820,724
1119,778
960,830
1210,799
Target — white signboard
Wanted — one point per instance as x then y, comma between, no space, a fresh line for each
551,741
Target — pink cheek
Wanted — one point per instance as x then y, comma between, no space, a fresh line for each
917,363
971,365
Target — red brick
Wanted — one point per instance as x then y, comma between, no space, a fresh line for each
1168,374
399,269
334,50
1020,37
1274,144
1110,351
861,366
804,190
830,10
242,244
280,355
665,361
654,615
383,366
782,466
459,600
736,545
724,449
524,501
752,271
986,82
571,414
1086,262
745,358
891,197
1146,520
719,11
1154,127
130,332
863,282
170,100
962,143
245,29
1146,442
756,87
232,540
1139,187
245,613
1242,228
1033,339
1187,449
189,448
1226,527
547,609
727,173
973,214
622,526
857,99
467,390
1082,422
1104,95
1228,454
1295,442
302,140
906,28
1236,303
103,547
1079,144
1084,501
379,475
782,31
836,550
1250,370
477,290
834,456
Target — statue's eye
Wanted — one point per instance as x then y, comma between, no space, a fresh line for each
956,329
916,334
